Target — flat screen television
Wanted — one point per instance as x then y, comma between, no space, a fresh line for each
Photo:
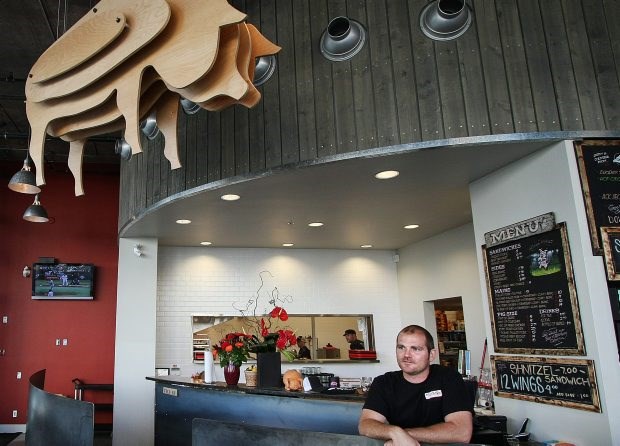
65,281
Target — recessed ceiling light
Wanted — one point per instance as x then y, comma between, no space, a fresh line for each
387,174
315,224
183,221
206,243
288,244
230,197
366,246
411,226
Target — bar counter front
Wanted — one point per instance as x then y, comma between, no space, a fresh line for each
178,400
181,402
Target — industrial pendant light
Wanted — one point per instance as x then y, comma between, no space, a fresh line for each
24,181
342,39
35,212
445,19
265,67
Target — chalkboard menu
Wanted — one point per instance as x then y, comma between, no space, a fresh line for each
611,249
532,295
599,169
557,381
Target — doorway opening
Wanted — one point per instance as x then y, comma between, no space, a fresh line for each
451,339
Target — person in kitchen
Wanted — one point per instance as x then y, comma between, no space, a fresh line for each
304,352
422,402
354,343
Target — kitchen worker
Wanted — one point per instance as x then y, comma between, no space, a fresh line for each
351,337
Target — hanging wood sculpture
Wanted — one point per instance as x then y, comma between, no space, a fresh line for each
128,59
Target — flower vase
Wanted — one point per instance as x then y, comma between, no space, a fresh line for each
231,374
269,369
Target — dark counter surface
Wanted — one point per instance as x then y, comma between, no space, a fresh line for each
242,388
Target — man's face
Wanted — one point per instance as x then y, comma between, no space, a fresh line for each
412,354
350,337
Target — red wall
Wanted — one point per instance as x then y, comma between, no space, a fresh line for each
81,229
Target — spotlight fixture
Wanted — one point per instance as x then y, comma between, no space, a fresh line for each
230,197
315,224
183,221
189,107
445,19
24,181
35,212
411,226
366,246
288,244
206,243
149,126
122,148
387,174
342,39
265,67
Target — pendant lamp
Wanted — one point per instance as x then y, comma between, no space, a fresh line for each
24,181
35,212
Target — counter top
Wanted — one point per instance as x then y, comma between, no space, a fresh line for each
242,388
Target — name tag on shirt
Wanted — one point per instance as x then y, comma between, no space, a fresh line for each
433,394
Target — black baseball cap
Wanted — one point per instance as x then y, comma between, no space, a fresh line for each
349,331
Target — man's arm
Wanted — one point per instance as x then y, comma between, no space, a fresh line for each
374,425
457,427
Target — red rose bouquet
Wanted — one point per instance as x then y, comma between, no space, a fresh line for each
233,349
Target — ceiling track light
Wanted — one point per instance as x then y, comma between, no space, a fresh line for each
24,181
122,148
189,107
149,126
264,69
35,212
445,19
342,39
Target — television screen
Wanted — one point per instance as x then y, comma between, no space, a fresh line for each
62,281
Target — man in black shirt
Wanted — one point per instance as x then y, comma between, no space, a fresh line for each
354,343
422,402
304,352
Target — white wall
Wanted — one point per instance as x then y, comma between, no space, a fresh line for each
211,280
134,396
547,181
441,267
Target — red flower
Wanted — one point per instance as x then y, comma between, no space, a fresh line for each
239,344
228,348
280,313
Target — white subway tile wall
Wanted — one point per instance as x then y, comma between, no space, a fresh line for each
211,280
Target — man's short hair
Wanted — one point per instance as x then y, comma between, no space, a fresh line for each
413,329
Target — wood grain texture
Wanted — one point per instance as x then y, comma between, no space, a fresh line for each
561,65
607,71
519,87
86,39
523,66
539,67
583,69
147,20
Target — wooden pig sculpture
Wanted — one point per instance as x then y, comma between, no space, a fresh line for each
292,380
128,58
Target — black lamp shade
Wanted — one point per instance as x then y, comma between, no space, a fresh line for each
24,181
36,213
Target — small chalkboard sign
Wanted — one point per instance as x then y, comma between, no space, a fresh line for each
611,250
599,170
557,381
532,296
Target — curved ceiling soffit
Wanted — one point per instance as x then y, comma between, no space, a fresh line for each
376,153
